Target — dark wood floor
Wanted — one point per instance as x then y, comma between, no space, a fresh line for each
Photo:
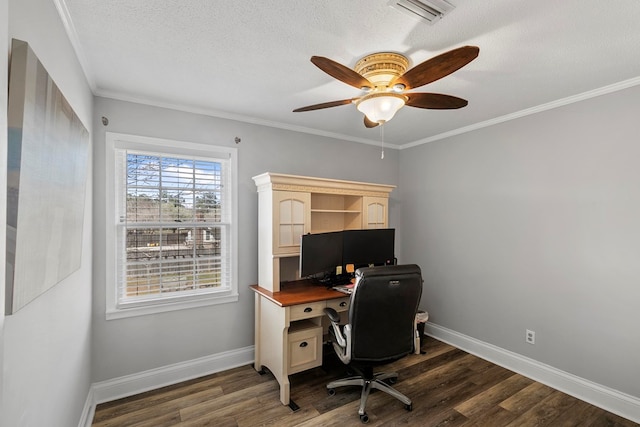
448,387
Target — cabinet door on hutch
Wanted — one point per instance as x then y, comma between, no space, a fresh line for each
292,219
375,210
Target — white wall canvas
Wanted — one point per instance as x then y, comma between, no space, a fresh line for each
48,148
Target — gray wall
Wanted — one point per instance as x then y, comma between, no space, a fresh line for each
47,360
4,66
132,345
535,224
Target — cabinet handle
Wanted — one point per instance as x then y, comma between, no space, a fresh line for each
308,310
303,344
343,304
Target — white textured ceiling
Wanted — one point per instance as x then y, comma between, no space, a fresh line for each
249,60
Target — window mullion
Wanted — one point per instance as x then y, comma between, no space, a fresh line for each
194,215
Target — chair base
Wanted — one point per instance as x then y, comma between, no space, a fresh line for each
368,383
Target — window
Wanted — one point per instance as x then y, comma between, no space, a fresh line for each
173,229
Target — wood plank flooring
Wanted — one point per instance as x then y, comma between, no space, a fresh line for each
448,387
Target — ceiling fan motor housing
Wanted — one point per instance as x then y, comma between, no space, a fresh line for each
381,68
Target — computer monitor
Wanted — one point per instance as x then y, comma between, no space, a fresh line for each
368,247
320,254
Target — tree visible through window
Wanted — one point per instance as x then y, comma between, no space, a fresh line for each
174,226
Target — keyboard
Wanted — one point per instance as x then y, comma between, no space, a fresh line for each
345,289
332,281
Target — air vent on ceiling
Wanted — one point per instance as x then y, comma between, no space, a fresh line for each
430,11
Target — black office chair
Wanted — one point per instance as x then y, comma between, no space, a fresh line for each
380,329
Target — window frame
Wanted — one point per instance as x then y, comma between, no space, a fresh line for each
115,141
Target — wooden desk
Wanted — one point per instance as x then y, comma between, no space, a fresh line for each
289,329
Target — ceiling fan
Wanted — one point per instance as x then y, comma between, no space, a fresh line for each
385,80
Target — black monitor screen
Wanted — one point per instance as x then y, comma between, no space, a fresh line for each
368,247
320,253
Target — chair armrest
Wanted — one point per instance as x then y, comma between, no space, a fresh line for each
334,317
332,314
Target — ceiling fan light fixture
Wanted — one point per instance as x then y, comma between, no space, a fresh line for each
386,77
381,107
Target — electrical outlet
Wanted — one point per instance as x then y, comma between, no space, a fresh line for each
530,336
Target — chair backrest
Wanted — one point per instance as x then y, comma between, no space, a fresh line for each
382,312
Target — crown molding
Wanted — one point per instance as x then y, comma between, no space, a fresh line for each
70,29
625,84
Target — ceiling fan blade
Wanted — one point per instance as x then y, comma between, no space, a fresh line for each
435,101
324,105
437,67
340,72
370,124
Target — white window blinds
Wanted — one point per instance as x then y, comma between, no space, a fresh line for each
173,226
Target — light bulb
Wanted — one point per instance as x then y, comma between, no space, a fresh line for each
381,107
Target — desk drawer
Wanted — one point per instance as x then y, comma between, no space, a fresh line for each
305,346
339,304
306,311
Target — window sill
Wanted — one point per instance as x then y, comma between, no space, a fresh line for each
166,306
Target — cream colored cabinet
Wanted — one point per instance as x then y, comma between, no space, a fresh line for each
305,346
291,219
291,205
374,212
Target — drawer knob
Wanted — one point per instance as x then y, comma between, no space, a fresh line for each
343,304
303,344
308,310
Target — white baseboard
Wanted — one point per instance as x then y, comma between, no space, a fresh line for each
129,385
88,411
603,397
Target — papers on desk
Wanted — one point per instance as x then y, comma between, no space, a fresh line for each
345,289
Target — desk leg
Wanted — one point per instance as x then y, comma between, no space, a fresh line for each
285,390
257,361
272,344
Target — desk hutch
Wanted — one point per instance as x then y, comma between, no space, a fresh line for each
289,320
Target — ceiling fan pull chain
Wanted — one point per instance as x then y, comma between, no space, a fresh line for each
382,140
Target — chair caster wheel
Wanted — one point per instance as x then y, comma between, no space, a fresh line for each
392,380
409,407
331,391
364,418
